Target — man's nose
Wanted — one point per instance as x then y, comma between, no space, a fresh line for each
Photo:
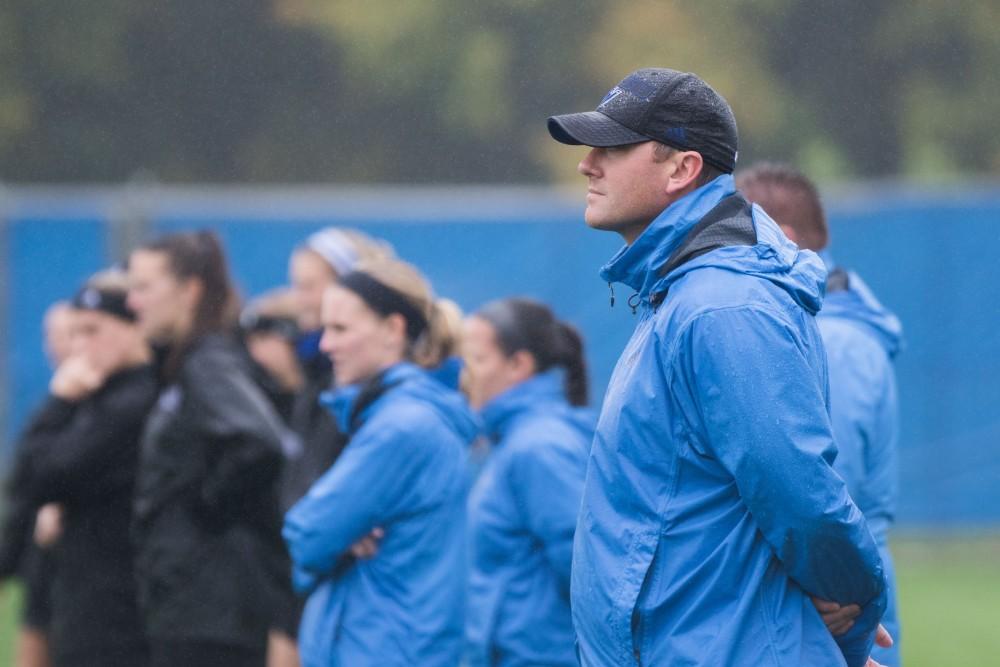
587,166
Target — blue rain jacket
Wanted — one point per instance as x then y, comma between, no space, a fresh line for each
861,339
711,511
404,470
522,513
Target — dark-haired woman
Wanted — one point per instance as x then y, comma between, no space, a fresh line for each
206,507
379,540
525,372
83,448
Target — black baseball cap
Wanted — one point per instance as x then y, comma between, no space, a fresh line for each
675,108
111,301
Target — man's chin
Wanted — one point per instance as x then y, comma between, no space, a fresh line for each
597,222
609,226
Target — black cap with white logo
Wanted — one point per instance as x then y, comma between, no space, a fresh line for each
111,301
675,108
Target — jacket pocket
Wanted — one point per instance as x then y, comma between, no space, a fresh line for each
638,619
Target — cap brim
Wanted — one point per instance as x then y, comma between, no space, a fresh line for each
592,128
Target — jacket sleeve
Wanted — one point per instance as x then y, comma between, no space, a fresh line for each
882,451
864,413
18,516
547,483
763,410
20,505
243,432
377,476
83,450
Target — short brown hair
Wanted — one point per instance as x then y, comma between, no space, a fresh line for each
708,173
790,198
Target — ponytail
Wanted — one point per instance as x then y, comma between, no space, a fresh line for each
524,324
440,339
572,359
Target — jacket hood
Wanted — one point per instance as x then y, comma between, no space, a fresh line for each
448,372
636,265
543,392
403,379
761,249
856,302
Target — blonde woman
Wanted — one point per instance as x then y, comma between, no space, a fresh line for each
378,541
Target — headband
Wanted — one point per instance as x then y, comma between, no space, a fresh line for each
385,301
111,302
336,248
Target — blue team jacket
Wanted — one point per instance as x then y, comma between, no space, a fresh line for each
710,508
405,470
862,337
522,513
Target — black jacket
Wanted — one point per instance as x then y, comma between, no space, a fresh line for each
320,441
206,515
18,516
19,556
83,455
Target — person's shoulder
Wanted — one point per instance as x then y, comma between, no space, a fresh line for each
712,287
404,429
534,462
850,342
401,416
543,417
215,344
542,435
137,384
713,294
530,430
212,354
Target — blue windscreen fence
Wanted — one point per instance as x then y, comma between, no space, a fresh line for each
932,258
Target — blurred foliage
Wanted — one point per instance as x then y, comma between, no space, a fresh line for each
399,91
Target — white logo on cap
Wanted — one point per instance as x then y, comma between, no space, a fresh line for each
612,94
91,298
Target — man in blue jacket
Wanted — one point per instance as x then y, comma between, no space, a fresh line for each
861,338
711,513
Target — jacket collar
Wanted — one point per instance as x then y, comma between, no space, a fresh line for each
849,298
499,414
637,265
351,402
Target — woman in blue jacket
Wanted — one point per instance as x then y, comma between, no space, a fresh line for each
400,483
525,372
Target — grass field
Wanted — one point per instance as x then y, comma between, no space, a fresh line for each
949,600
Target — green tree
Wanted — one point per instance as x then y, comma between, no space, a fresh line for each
399,91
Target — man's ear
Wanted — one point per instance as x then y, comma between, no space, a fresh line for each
687,169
